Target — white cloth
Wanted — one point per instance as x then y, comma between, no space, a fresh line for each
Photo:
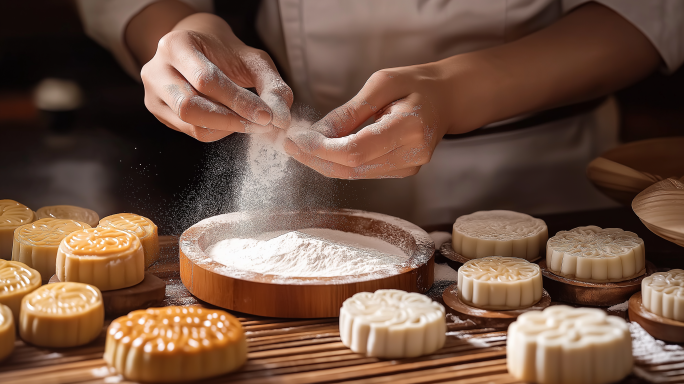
105,21
329,48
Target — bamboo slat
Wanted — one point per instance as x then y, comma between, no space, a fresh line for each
310,351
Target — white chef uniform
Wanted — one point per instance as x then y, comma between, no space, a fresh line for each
329,48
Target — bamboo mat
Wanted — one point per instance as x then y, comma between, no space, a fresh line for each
310,351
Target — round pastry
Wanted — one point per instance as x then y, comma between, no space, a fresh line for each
12,215
565,345
663,294
596,255
499,233
16,281
70,212
499,283
36,244
392,324
62,315
106,258
171,344
140,226
6,331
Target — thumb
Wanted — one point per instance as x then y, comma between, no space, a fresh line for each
270,87
380,90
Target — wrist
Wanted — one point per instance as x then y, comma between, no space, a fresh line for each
473,92
477,91
144,30
209,24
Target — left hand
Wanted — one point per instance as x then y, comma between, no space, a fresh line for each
411,110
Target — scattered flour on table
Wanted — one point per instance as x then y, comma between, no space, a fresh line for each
311,252
443,272
619,307
648,350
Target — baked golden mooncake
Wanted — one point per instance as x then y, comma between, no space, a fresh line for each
36,244
171,344
12,216
140,226
7,331
16,281
62,315
104,257
70,212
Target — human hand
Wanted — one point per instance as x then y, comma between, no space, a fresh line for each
196,81
411,106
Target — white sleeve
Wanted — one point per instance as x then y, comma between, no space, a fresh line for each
105,22
661,21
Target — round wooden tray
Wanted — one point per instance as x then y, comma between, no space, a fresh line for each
657,326
592,294
299,297
487,318
455,260
148,293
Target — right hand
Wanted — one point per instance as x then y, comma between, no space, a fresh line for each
196,81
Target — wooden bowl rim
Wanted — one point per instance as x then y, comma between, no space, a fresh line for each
671,140
189,246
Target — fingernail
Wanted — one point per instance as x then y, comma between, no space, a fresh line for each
263,117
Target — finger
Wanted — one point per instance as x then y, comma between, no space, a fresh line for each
393,130
380,90
386,167
197,110
270,87
169,118
209,80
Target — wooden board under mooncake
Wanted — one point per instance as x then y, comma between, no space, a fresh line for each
657,326
455,259
302,297
149,293
591,294
488,318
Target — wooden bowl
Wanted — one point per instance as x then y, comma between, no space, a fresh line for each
661,208
299,297
622,172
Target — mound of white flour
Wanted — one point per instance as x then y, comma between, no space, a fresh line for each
311,252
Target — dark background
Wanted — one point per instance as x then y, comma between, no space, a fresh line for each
115,156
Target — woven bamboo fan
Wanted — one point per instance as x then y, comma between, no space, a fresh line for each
621,173
661,208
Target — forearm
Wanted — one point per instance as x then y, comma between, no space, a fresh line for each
591,52
151,24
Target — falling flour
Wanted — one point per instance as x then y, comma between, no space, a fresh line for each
311,252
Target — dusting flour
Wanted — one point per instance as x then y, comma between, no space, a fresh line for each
311,252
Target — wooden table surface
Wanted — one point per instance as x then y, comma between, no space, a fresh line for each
310,351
